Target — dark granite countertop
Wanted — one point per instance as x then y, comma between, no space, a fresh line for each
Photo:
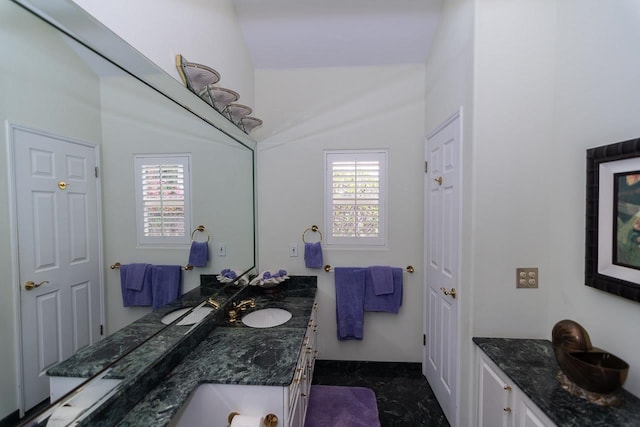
232,354
160,366
90,360
531,365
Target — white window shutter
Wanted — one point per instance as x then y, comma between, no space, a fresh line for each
355,208
163,199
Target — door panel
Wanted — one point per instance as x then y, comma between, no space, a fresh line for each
56,198
442,247
81,315
47,332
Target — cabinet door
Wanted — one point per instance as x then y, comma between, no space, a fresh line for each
494,398
529,415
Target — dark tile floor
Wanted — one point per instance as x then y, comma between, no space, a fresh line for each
403,395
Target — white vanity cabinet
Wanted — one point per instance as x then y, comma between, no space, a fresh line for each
501,403
301,386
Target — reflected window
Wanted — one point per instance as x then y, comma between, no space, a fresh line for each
355,194
163,199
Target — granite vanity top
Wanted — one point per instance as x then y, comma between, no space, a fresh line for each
159,376
232,354
531,365
94,358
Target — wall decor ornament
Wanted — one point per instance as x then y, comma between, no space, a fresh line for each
612,244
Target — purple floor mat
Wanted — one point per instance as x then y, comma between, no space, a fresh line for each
339,406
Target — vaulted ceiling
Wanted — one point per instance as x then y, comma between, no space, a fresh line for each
335,33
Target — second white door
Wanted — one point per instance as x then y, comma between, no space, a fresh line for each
442,246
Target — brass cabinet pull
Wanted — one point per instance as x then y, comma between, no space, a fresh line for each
62,185
507,410
271,420
507,387
30,284
438,180
452,292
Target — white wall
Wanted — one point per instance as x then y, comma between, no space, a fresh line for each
205,32
306,111
513,143
596,102
551,80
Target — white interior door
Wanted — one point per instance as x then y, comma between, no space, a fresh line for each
442,247
56,200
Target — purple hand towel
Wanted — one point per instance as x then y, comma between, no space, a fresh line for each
381,280
199,254
350,284
313,255
165,284
389,303
340,406
135,282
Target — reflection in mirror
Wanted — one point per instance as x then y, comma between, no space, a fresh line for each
62,87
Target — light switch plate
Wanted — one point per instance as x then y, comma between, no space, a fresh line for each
293,250
222,249
527,277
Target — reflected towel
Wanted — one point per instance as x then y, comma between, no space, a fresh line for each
199,254
313,255
165,284
349,284
136,285
387,302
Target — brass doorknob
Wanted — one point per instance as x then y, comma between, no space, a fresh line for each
452,292
30,284
62,185
438,180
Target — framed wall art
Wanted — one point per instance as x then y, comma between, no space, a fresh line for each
612,244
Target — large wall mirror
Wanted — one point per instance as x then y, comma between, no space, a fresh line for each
65,74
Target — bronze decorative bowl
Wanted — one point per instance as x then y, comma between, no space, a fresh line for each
595,370
589,367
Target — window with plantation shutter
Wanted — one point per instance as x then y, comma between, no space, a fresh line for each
355,205
163,199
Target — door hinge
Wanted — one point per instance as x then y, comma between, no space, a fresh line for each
424,339
101,330
96,171
426,166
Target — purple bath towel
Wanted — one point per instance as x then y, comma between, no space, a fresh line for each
381,280
350,284
313,255
389,303
165,284
199,254
135,283
338,406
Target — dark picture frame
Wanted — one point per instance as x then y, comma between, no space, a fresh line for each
610,236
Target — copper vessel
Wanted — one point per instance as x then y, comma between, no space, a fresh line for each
591,368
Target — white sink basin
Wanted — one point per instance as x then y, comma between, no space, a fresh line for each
194,317
266,318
